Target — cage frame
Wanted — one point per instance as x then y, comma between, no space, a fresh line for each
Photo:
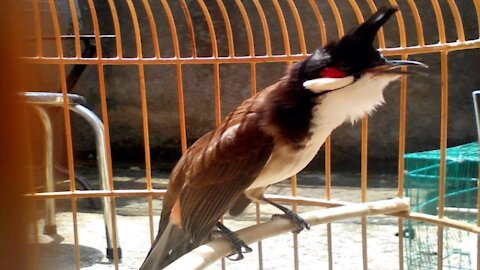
443,48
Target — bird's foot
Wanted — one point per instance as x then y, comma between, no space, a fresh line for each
301,223
237,244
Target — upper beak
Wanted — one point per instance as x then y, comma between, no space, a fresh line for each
392,66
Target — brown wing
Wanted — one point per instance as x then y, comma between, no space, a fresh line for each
217,169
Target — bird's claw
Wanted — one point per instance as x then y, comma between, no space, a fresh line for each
240,248
238,245
299,221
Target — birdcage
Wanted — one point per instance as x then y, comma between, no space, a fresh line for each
159,74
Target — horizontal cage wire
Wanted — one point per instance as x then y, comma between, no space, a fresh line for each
160,74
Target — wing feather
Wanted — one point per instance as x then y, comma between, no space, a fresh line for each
217,168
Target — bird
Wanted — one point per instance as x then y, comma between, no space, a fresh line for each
270,137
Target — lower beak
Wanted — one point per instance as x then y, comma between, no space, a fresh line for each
393,66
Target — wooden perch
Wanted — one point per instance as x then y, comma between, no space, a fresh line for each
207,254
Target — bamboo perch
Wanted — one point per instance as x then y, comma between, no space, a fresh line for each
207,254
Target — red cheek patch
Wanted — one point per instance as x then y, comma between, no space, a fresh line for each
331,72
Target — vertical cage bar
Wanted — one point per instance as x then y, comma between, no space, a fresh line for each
340,31
216,92
364,160
143,95
328,185
176,49
68,131
401,160
181,108
108,203
253,91
401,132
293,183
296,261
363,184
443,150
259,243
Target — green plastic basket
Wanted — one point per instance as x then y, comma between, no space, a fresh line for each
421,186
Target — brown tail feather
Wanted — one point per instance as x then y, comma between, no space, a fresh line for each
169,246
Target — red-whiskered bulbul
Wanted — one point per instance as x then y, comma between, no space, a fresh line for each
270,137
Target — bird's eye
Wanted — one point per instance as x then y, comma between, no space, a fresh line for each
331,72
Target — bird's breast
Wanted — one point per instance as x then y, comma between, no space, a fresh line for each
287,160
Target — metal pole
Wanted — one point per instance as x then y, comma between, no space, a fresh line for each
97,126
50,226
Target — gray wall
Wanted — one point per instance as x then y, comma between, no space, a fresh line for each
123,96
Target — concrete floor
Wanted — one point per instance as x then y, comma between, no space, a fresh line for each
56,252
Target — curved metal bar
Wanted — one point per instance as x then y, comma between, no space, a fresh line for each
228,28
298,24
440,22
191,30
401,27
320,21
458,20
56,29
380,35
248,27
136,28
266,30
477,9
283,27
153,28
116,27
211,28
338,18
76,28
418,22
357,11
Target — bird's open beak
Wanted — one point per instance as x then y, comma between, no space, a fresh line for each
393,67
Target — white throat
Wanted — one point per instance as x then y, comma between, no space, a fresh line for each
351,102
